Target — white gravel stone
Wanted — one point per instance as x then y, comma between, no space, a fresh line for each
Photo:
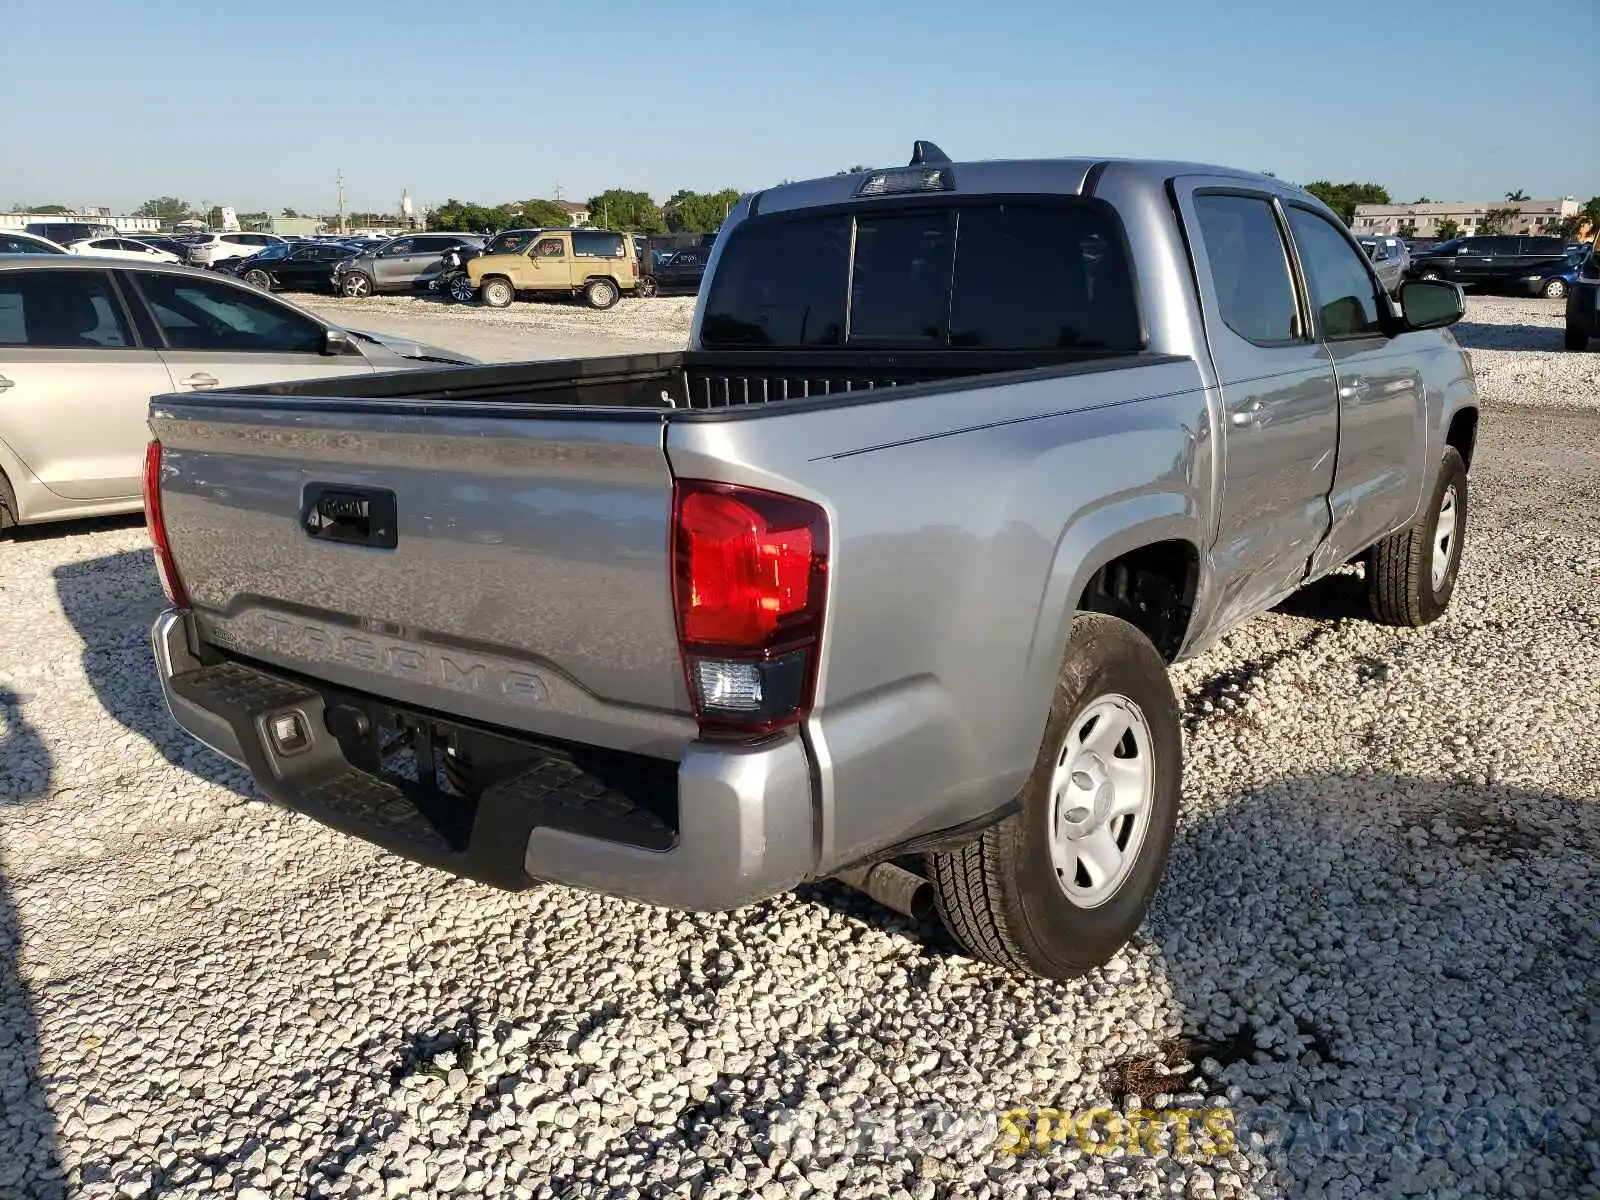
1380,907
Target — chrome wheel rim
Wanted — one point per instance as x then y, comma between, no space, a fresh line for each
355,285
604,294
258,279
1430,274
1444,538
497,294
461,290
1555,289
647,288
1101,795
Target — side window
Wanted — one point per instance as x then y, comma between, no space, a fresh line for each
306,254
61,310
598,245
549,248
398,247
1249,267
1342,289
199,314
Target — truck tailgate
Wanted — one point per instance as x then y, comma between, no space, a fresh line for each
527,585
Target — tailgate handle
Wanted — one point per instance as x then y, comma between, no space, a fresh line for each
355,516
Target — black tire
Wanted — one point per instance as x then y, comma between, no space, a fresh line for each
999,895
497,292
1400,578
8,505
1554,289
1576,340
647,287
356,285
601,293
258,279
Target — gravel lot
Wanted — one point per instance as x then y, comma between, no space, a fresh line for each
1376,945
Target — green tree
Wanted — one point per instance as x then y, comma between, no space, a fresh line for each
1447,229
166,208
1516,196
1424,200
290,213
1590,212
855,170
255,220
634,212
699,212
1343,197
1497,220
1568,227
540,214
1407,228
44,210
214,217
460,216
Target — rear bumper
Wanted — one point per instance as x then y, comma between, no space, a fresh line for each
725,826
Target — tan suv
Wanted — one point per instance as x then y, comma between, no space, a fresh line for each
593,263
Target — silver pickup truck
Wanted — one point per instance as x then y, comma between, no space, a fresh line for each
879,579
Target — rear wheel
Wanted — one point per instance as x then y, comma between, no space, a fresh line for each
1575,339
498,293
356,285
1555,289
600,293
1058,888
1411,574
258,279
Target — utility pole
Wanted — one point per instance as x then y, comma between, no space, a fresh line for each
342,229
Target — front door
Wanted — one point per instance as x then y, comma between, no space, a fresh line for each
225,335
1383,433
397,265
76,387
1279,406
549,266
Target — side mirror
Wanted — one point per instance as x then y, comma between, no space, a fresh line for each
336,341
1431,303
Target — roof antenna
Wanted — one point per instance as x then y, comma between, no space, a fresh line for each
923,153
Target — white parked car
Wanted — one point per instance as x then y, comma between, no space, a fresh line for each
14,241
209,249
109,247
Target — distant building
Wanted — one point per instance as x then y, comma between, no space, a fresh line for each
293,226
21,220
1533,216
578,212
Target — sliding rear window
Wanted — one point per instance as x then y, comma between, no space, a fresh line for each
997,275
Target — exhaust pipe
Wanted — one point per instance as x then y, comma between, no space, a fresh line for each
894,887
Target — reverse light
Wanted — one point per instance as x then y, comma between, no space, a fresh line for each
749,581
166,568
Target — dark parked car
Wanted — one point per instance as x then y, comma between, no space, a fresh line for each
171,245
1497,262
293,266
1583,300
682,272
1554,280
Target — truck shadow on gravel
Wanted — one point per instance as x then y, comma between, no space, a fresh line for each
30,1163
111,602
1471,335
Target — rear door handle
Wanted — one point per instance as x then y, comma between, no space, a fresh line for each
5,383
1249,414
200,380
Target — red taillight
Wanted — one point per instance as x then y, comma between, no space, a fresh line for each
171,583
750,577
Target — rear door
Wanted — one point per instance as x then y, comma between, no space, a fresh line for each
75,386
220,334
1279,398
1485,260
1382,409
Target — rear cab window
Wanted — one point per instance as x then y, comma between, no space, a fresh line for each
986,273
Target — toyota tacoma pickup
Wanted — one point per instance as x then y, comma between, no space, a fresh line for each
878,579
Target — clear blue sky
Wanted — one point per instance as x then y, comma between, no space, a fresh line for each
257,105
